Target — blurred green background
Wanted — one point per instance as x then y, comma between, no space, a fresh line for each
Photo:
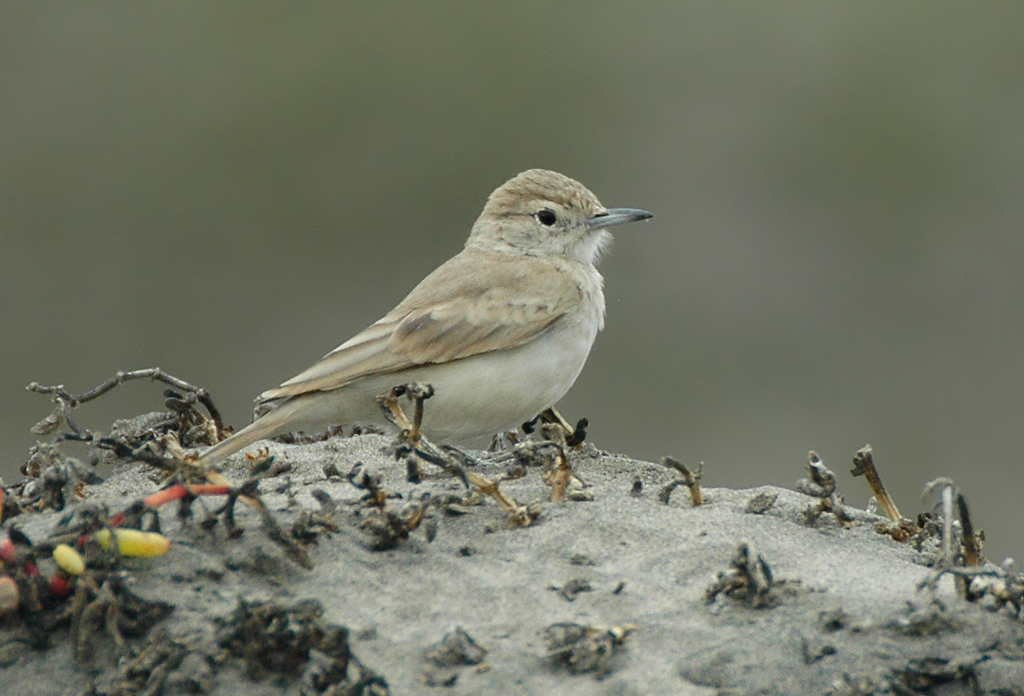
229,190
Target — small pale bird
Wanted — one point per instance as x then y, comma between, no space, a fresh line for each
501,330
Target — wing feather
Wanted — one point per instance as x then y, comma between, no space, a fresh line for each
456,312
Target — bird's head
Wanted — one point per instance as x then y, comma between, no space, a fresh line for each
544,213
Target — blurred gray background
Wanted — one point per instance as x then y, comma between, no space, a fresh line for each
229,190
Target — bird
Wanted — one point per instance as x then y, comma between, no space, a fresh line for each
500,331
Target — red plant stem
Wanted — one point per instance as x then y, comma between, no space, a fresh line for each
176,492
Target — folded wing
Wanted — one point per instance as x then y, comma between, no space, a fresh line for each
456,312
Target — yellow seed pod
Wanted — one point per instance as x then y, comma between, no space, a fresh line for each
68,560
132,542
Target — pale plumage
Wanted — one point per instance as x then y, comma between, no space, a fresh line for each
501,330
456,312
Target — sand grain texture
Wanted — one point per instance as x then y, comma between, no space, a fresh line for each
849,604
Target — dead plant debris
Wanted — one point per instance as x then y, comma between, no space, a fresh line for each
749,580
557,472
53,480
586,648
295,641
760,503
94,598
310,524
821,484
1003,589
864,465
917,676
110,625
149,672
690,479
457,648
930,619
637,489
192,425
160,442
1000,587
574,436
411,445
518,515
814,649
389,526
573,588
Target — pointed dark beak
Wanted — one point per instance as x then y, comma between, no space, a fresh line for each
618,216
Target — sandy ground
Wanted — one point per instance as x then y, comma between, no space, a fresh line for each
845,615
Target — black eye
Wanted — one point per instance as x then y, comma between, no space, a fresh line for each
546,217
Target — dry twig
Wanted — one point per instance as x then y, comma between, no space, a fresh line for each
689,479
864,465
66,403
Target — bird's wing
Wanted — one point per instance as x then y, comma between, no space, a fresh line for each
456,312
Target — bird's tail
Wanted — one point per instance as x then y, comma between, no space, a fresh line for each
280,420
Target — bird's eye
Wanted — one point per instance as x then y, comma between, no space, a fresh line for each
546,217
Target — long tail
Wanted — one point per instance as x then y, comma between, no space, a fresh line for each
281,420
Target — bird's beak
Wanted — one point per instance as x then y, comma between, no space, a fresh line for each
617,216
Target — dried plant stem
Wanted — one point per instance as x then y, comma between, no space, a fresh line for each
864,465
